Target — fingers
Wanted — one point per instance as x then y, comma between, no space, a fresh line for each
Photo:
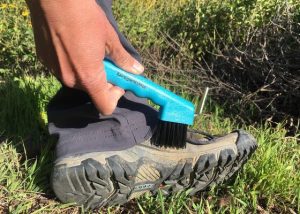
117,53
104,95
77,37
106,102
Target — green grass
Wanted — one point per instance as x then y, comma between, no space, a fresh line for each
269,182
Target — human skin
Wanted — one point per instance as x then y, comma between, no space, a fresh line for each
72,38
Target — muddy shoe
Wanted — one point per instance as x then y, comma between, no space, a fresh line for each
114,177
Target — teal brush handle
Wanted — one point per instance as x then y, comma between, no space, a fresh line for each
173,108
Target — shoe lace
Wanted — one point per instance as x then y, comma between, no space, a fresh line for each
193,140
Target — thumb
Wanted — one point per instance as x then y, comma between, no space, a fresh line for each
120,56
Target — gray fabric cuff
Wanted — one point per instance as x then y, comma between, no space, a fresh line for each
81,129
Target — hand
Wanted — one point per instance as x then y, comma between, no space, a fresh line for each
72,38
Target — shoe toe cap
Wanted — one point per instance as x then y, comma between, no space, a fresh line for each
246,142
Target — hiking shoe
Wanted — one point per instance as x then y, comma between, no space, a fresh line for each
114,177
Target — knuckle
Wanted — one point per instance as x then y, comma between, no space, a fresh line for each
119,55
70,83
88,80
67,80
108,110
122,59
88,75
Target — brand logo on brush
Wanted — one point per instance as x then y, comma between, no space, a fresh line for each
131,80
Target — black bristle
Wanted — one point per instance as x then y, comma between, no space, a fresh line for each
169,134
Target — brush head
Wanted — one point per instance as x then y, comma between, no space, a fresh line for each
169,134
175,112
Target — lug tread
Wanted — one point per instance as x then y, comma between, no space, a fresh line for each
95,185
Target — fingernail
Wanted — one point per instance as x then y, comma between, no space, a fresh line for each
137,68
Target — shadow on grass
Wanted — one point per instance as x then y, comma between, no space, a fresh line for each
21,120
23,125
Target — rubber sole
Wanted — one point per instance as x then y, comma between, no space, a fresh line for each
95,184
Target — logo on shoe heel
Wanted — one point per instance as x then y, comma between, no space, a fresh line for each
143,187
